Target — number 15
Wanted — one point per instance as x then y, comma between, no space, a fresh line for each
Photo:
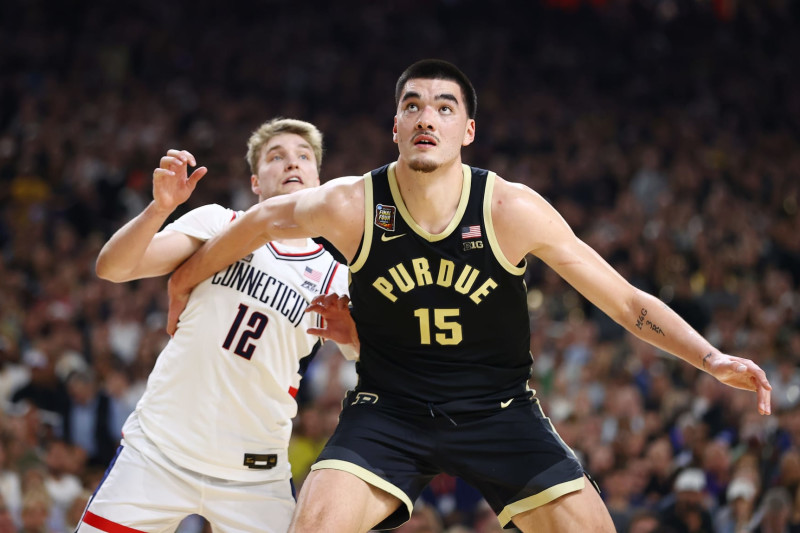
451,330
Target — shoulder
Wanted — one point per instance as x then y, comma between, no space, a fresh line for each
204,221
210,211
524,221
335,211
513,199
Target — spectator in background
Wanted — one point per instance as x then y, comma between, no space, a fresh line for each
36,506
774,513
643,521
689,512
45,390
60,481
737,515
88,418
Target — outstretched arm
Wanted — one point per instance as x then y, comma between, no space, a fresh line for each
526,223
334,211
138,250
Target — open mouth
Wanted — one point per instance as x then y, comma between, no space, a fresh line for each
293,179
425,140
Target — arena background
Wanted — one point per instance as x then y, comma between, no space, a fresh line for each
665,131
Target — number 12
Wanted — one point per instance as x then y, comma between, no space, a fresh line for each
257,322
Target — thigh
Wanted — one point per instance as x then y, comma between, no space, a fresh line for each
581,510
515,458
139,493
237,507
336,501
383,449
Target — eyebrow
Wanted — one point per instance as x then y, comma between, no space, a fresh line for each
443,96
303,146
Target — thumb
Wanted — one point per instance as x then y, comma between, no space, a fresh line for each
197,175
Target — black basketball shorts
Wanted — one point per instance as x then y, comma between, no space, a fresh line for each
508,450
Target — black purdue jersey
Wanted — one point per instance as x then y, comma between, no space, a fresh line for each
440,317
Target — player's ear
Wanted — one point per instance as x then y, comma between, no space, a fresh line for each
394,130
469,133
255,186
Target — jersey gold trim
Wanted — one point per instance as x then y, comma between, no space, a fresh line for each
490,234
366,243
537,500
454,222
368,477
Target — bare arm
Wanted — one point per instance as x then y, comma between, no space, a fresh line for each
526,223
137,250
334,211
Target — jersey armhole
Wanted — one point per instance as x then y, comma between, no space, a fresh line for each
366,240
517,270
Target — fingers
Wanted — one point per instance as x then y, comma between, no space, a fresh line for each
184,156
176,306
197,174
764,401
172,323
174,160
325,302
758,382
317,332
763,391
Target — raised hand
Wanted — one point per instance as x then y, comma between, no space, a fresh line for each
741,373
171,183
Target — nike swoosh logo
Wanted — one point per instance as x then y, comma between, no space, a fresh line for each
503,405
386,238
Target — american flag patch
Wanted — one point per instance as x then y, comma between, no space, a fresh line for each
470,232
312,274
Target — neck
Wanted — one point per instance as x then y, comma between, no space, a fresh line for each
431,197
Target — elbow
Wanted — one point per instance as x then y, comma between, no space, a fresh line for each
105,271
628,307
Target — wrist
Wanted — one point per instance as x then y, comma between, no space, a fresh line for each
159,211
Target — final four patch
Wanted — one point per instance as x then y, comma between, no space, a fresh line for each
384,216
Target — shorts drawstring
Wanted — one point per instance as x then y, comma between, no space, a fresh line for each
432,407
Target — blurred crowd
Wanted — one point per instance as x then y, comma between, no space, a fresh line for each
668,137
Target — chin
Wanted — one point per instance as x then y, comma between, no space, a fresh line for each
423,165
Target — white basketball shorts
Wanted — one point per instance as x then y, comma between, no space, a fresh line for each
143,491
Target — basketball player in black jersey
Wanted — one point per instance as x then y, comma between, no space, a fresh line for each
437,253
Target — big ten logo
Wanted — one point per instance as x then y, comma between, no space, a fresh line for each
472,245
365,397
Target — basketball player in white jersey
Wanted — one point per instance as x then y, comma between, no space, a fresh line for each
210,434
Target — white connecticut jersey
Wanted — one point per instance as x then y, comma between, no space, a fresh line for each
220,398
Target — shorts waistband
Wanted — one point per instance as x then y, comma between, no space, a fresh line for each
452,409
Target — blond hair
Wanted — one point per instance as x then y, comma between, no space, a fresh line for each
277,126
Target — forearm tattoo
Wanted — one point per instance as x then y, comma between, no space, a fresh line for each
643,321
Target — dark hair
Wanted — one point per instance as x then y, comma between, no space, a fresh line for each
437,69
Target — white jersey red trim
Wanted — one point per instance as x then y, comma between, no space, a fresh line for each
223,386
